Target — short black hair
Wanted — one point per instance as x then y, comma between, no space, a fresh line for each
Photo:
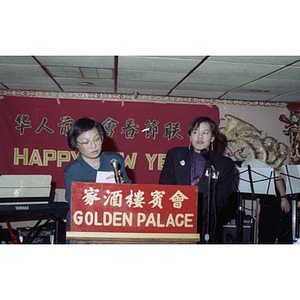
83,125
196,123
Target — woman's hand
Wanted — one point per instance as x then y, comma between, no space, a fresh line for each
121,178
113,176
285,205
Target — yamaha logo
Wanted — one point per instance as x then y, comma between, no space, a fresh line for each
22,207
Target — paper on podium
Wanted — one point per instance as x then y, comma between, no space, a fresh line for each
102,177
262,179
292,180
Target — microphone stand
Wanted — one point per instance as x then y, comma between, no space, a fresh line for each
207,237
240,220
212,173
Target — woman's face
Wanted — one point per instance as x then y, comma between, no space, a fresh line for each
201,137
89,144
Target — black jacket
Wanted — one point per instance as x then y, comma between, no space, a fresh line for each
176,170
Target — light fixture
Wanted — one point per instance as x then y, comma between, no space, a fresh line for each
86,83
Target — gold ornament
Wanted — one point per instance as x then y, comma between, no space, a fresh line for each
242,141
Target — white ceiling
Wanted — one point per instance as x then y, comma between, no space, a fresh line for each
251,78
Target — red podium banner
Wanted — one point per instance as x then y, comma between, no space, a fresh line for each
133,208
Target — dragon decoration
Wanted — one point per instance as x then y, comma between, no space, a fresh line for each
242,141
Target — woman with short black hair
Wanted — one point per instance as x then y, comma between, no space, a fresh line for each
87,135
189,166
82,125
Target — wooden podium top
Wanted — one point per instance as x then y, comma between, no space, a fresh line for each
131,238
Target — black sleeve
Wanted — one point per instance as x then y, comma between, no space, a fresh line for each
167,173
225,183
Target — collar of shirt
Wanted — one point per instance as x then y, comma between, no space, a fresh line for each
104,164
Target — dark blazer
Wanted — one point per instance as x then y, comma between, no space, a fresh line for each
78,170
176,170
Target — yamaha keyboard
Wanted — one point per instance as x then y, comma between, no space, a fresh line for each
30,197
21,209
23,206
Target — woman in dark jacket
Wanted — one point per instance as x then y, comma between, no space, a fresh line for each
191,165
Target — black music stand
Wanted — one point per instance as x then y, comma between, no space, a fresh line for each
292,182
254,181
292,174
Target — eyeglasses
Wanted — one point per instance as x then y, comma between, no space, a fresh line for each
86,144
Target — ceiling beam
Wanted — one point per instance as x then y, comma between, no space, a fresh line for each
48,73
259,78
188,74
116,73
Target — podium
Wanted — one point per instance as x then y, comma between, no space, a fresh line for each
112,213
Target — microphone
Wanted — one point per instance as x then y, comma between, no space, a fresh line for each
115,165
206,154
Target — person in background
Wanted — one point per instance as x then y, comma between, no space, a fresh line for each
274,212
87,135
189,166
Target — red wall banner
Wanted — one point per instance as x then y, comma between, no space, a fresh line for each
33,133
